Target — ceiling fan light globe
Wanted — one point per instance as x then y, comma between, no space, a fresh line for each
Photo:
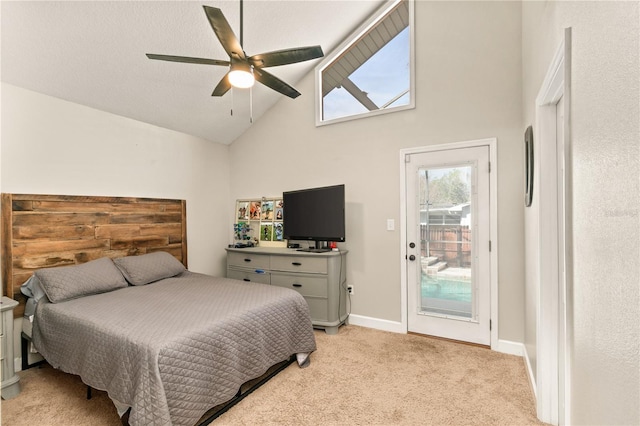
241,79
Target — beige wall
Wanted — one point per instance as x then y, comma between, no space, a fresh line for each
604,363
50,146
468,87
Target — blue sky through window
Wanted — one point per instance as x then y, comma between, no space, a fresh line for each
383,76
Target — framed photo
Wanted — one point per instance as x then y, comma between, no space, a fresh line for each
242,210
254,210
266,232
267,210
528,166
278,231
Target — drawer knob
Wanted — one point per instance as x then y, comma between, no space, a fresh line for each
297,285
296,263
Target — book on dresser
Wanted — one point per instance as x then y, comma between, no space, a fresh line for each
319,277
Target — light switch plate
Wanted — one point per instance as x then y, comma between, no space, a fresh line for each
391,225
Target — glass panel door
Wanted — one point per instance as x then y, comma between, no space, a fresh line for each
446,241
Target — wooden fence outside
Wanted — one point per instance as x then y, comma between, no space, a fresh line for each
450,243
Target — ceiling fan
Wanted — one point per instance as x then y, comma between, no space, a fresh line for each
245,70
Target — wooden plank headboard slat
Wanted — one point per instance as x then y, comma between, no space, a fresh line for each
41,231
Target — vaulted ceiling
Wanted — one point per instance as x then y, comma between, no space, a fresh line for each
93,53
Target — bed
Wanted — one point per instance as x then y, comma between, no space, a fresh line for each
167,344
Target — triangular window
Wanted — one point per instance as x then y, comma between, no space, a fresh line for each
372,71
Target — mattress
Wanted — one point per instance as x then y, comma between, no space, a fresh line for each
173,349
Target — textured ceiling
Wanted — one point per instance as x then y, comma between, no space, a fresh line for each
93,53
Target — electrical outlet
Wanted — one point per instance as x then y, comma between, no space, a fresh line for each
350,289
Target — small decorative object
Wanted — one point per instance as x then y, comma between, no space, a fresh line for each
528,166
242,231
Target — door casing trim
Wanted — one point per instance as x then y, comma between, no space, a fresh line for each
491,143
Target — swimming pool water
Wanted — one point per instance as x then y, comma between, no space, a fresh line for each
446,288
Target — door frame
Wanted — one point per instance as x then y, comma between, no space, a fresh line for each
491,143
554,305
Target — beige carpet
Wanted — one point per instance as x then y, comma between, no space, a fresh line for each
359,377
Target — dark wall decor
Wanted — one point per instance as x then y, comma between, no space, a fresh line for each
528,166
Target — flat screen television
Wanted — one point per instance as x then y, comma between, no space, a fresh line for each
315,214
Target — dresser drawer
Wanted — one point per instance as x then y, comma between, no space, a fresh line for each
308,264
305,285
248,260
249,276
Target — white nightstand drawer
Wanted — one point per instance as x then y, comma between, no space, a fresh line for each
248,260
308,264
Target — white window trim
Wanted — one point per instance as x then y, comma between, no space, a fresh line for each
345,45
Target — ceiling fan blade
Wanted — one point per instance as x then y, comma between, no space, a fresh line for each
223,31
187,59
285,56
222,87
275,83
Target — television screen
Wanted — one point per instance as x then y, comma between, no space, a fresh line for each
315,214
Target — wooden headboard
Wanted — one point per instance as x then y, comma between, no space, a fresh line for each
42,231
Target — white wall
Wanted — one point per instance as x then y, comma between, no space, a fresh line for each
468,87
604,366
50,146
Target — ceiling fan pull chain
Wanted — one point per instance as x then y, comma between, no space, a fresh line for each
251,105
232,97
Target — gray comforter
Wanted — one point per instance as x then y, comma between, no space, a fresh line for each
175,348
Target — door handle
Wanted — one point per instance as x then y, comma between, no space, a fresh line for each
412,245
412,258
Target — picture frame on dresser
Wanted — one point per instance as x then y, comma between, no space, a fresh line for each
259,221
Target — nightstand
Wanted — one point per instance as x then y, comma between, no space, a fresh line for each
10,381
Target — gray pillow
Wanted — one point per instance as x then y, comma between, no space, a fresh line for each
69,282
34,292
32,288
147,268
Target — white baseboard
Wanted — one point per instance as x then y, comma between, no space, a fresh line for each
376,323
519,349
509,347
504,346
532,380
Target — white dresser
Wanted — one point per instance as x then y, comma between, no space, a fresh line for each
319,277
10,381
